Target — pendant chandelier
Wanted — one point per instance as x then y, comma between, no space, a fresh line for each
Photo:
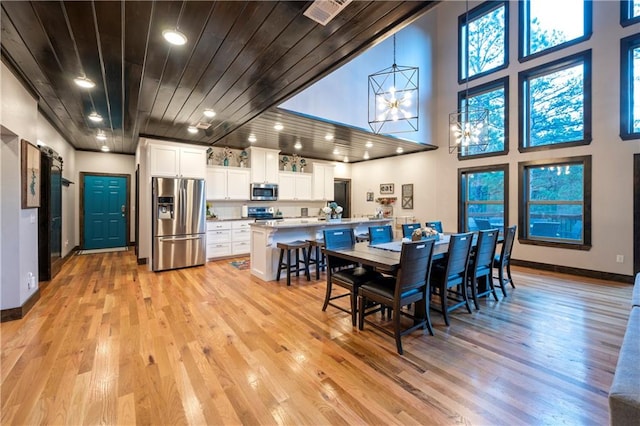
468,125
393,98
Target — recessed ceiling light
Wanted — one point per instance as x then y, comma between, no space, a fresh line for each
345,159
278,126
84,82
94,116
366,155
252,138
101,136
209,113
192,129
174,37
328,137
368,144
298,145
399,150
335,151
104,148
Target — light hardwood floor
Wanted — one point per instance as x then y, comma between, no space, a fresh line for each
110,342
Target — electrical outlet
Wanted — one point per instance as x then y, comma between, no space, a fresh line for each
66,243
619,258
30,280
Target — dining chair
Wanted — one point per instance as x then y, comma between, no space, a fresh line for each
437,225
344,273
410,285
407,229
380,234
481,265
502,262
450,277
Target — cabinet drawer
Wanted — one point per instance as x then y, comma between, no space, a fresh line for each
241,235
241,224
218,249
211,226
219,236
241,247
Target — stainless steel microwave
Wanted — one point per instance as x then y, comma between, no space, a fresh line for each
264,191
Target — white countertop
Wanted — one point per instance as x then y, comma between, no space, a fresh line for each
314,222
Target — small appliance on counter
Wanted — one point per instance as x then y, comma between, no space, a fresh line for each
264,192
245,211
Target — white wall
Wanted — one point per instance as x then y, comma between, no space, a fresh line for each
106,162
434,174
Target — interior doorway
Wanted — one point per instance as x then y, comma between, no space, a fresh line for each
342,195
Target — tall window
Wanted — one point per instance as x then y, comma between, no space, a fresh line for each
482,197
482,35
494,97
555,103
629,12
548,25
630,87
555,199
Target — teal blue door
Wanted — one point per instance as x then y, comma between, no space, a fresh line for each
105,212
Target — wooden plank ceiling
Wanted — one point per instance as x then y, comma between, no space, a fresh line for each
242,59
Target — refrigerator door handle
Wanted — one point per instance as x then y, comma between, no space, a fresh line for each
171,239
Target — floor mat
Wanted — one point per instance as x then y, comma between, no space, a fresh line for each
104,250
241,264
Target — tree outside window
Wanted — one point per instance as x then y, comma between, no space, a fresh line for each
492,96
482,197
555,103
548,25
556,200
482,35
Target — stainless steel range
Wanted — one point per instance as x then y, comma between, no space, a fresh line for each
261,213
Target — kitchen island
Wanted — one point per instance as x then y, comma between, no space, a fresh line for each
266,235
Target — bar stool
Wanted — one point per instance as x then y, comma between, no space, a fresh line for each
300,265
318,258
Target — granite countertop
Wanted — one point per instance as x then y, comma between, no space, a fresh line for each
217,219
310,222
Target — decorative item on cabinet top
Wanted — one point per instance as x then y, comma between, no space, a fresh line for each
224,157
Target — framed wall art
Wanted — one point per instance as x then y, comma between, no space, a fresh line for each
386,188
30,174
369,196
407,196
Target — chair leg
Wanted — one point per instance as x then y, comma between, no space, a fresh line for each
297,262
474,293
465,296
501,280
509,275
361,302
489,281
444,303
306,253
279,265
289,267
354,305
327,297
396,328
317,254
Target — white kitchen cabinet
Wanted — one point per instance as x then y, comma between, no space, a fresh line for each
228,183
294,186
176,161
264,164
228,238
323,181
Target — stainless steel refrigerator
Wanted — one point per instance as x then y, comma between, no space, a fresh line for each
179,227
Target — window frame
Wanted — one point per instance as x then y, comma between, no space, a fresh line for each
523,200
462,195
479,90
626,7
473,14
523,15
627,98
523,100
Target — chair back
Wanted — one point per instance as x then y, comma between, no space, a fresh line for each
338,238
407,229
380,234
458,257
507,245
437,225
485,250
415,265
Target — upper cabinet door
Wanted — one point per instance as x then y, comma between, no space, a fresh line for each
216,183
165,160
238,182
264,165
193,162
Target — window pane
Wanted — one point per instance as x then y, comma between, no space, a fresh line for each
556,182
556,221
636,90
485,42
484,199
486,186
556,107
494,102
551,23
636,8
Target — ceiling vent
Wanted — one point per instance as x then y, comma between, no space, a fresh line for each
203,125
323,11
